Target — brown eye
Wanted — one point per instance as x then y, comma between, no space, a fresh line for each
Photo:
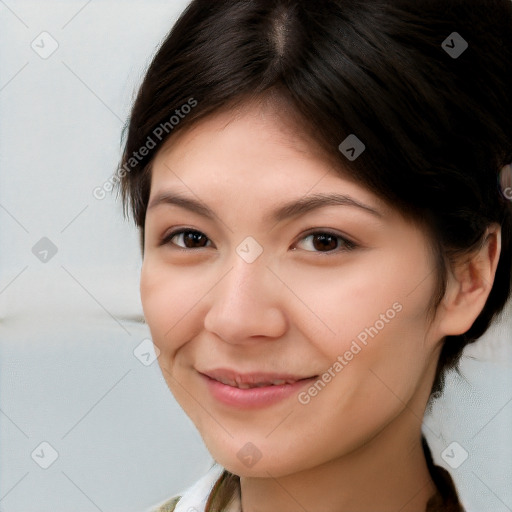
326,242
187,239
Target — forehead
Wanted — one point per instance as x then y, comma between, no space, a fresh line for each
269,122
254,144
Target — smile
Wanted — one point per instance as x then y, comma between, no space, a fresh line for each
252,390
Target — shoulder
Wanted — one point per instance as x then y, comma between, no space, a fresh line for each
193,497
168,506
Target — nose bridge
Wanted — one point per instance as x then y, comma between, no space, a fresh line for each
246,284
246,303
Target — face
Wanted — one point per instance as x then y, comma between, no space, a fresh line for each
292,327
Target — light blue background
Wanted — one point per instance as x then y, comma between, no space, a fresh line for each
68,327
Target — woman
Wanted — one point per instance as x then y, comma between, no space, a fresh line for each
317,187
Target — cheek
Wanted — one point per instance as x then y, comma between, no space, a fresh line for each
372,385
153,293
366,314
341,304
388,357
168,298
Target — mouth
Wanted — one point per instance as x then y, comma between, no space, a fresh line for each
252,390
253,380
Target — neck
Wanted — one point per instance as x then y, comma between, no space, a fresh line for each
388,474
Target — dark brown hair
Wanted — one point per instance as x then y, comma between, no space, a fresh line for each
437,126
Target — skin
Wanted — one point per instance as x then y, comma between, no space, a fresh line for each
356,445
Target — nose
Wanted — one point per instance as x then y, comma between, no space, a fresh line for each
246,304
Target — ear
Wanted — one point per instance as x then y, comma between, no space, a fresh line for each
469,285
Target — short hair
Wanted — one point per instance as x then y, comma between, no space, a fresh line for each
424,84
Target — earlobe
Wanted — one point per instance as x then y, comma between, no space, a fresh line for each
469,285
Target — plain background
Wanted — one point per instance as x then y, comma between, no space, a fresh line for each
69,326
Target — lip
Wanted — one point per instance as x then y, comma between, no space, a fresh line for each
255,397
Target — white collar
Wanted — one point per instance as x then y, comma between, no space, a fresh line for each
194,498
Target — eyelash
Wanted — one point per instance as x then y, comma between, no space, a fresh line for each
345,245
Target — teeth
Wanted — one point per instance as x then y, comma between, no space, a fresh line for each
227,382
244,385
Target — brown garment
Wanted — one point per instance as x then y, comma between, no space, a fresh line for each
444,500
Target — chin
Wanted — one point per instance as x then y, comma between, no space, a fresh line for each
241,464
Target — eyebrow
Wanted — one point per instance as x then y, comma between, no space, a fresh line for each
288,210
